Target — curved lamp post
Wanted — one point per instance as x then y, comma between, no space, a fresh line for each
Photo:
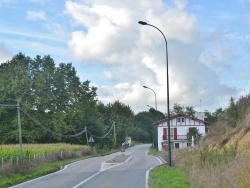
155,96
150,106
168,119
156,132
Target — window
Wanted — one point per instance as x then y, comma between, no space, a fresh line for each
182,119
176,145
178,120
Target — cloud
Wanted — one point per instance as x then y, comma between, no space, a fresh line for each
34,15
4,2
180,4
135,55
4,54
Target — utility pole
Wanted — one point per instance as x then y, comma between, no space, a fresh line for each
86,136
19,130
114,135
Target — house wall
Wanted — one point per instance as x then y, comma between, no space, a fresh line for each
182,127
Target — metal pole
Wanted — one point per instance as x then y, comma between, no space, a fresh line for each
156,134
20,131
168,119
155,96
114,136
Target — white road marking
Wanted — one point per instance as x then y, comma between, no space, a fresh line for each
104,167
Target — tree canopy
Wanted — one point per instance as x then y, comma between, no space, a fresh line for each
55,105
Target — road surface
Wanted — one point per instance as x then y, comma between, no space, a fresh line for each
118,170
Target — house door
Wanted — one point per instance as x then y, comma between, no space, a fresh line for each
176,145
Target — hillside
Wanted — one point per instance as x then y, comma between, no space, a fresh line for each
222,157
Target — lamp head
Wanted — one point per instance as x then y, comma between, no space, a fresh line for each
145,86
142,23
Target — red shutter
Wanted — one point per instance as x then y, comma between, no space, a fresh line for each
175,133
164,133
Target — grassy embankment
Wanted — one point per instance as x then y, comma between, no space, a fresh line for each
39,159
221,160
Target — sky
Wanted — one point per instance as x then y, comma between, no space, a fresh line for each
208,47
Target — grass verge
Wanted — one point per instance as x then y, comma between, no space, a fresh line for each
164,176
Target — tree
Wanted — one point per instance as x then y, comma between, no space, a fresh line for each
232,113
213,117
177,109
53,96
144,130
193,132
189,110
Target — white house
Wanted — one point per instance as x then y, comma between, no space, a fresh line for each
179,127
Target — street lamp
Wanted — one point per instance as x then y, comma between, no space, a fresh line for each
155,96
156,134
150,106
168,119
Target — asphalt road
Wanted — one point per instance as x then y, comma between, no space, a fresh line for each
118,170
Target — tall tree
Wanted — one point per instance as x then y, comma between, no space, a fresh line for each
189,110
232,113
177,109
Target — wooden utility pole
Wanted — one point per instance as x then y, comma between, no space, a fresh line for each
86,135
19,130
114,136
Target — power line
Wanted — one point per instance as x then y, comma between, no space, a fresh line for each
56,133
52,132
8,105
112,126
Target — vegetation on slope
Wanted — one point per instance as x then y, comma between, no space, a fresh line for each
222,157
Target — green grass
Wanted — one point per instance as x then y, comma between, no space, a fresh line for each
40,170
154,151
164,177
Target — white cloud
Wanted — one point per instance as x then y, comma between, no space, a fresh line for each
33,15
135,54
180,4
4,54
108,74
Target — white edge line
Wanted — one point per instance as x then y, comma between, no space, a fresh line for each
147,173
79,184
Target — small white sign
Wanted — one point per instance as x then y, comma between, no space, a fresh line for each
91,139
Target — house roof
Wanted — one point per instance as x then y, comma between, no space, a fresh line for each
180,115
